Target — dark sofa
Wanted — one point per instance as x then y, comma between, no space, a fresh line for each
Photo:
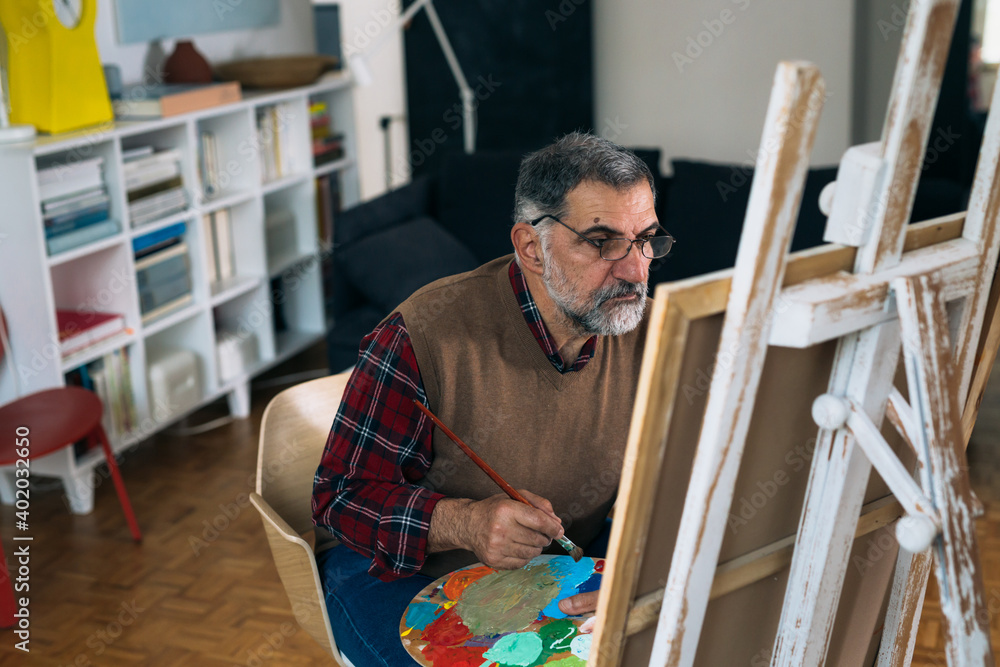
436,226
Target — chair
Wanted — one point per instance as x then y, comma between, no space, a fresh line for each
293,433
48,421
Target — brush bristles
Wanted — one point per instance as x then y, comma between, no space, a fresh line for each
575,552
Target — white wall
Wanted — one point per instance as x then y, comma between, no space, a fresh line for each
363,23
713,107
879,35
293,35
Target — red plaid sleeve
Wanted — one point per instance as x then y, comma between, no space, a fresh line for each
365,489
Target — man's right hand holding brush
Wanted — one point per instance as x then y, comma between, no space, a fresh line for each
503,533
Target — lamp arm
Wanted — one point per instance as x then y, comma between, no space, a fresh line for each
359,68
468,99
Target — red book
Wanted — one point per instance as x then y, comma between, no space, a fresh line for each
79,329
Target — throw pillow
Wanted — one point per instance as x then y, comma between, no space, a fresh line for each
390,265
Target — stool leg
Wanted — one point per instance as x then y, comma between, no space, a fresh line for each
7,607
102,437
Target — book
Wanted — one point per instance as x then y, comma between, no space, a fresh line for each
158,207
164,292
208,163
151,174
80,329
167,308
149,156
151,260
81,237
75,202
65,171
142,101
59,217
147,241
163,266
62,181
69,223
211,247
224,244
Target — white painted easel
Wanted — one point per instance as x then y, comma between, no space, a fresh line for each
892,300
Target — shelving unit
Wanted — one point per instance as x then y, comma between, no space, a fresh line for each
101,276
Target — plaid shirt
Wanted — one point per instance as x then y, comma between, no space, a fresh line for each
366,488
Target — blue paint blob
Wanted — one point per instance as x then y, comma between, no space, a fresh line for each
420,615
570,575
592,584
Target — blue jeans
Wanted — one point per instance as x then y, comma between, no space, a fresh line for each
365,612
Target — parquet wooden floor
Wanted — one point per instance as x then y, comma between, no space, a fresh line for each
99,599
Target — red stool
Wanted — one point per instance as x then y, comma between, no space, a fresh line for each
55,418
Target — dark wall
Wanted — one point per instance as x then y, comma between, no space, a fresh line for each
529,62
955,136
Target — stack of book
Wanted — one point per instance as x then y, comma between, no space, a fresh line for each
219,246
208,163
327,145
154,183
80,329
110,377
162,271
277,154
75,205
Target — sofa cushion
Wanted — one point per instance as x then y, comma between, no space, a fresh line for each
390,209
389,265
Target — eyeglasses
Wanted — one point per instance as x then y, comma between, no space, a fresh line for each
651,247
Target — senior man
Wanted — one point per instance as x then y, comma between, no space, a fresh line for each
533,360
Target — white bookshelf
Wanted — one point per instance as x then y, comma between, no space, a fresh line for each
101,275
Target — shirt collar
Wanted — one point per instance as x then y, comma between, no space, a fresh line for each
533,317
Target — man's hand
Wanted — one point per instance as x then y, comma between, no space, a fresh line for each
581,603
503,533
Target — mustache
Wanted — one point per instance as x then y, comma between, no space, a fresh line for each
620,289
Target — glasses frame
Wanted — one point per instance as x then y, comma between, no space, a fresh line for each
599,244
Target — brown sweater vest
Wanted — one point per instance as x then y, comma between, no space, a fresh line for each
561,436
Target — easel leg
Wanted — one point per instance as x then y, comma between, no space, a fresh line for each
908,588
931,379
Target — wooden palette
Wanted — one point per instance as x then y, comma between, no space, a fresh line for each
482,617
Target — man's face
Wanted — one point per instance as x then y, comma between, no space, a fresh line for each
595,295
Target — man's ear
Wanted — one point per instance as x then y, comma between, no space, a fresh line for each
528,247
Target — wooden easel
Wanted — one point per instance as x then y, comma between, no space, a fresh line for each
895,298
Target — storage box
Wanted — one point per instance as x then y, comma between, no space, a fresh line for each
174,382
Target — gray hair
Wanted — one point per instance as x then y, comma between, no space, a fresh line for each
549,174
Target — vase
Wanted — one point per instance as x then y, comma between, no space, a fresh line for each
186,65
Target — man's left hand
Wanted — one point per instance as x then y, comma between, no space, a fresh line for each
581,603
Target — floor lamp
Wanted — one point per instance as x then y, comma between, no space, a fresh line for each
362,74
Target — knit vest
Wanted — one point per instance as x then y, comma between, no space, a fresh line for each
561,436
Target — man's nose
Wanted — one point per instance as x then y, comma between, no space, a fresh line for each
634,267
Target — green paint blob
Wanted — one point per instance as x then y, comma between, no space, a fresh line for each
557,635
519,649
569,661
507,601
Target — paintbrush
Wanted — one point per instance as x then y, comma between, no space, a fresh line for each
566,543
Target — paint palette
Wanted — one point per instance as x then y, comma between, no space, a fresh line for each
482,617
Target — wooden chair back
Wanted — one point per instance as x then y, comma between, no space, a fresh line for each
293,432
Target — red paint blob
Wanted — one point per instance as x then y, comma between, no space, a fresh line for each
462,579
599,566
447,630
460,656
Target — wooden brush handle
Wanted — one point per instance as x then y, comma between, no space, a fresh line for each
501,482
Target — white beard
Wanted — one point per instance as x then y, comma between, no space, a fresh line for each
595,316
